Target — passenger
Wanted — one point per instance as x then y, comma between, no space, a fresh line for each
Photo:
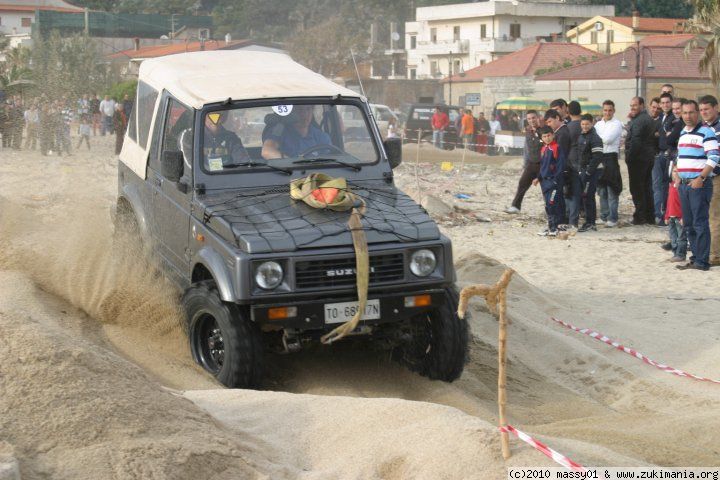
221,147
297,135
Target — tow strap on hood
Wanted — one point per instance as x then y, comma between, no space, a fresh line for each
322,191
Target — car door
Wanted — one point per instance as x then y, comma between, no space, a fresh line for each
172,202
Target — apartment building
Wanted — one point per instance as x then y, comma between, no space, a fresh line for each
448,39
17,16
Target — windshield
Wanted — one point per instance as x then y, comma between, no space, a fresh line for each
288,135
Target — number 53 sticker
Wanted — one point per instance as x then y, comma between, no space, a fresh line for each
282,110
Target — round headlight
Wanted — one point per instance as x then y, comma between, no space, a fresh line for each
268,275
423,263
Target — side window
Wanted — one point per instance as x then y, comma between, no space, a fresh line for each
132,125
147,96
178,132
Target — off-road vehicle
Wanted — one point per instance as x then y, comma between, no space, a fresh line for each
203,180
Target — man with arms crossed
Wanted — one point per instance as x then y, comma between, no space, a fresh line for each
697,157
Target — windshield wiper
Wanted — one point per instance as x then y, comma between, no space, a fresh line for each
258,164
355,167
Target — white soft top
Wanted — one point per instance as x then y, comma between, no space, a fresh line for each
199,78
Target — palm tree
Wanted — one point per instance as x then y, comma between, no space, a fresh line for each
707,20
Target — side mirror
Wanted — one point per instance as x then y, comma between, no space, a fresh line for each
171,166
393,149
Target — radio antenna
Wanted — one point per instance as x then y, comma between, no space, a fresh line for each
357,72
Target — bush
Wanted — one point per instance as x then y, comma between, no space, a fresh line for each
118,91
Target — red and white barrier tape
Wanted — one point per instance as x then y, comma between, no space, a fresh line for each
630,351
541,447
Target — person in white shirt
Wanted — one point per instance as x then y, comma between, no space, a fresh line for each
610,184
32,122
494,127
107,110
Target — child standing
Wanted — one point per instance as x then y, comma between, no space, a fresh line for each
550,178
673,217
84,130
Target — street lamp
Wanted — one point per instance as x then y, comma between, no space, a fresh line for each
450,74
638,63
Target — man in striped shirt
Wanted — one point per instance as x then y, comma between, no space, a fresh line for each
709,114
698,155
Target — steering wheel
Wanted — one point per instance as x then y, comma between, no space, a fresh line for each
322,146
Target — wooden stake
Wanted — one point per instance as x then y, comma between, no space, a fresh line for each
496,299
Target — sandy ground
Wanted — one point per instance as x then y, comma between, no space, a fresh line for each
96,380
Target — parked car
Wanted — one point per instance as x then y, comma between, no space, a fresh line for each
259,270
354,122
418,124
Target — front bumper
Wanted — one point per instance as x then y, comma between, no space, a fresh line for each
311,313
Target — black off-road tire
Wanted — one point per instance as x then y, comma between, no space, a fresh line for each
213,323
439,346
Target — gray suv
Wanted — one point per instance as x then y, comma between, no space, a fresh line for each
204,178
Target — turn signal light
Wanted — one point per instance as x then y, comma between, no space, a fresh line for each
279,313
418,301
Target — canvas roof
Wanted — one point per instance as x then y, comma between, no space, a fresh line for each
199,78
526,61
669,62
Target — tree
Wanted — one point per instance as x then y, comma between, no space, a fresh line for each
647,8
325,48
69,67
707,19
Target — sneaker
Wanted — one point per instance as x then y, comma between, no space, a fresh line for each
610,224
660,222
544,233
512,210
587,227
675,259
552,233
666,246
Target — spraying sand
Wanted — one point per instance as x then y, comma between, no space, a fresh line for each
94,360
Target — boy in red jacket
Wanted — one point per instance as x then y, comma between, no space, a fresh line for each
673,218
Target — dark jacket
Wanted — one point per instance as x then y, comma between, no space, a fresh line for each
640,144
562,137
590,150
533,144
665,124
573,156
552,166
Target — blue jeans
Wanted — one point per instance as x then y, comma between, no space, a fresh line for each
572,201
660,182
107,124
678,237
609,201
438,137
588,197
696,214
552,195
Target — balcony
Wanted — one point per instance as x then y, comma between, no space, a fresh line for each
501,45
443,47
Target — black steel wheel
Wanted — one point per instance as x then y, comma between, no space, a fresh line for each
222,340
437,347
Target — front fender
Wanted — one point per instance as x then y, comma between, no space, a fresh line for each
131,194
215,264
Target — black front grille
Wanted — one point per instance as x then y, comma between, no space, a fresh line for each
340,272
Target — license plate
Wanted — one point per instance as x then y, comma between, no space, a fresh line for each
343,312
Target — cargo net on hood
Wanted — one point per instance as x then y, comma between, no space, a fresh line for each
268,220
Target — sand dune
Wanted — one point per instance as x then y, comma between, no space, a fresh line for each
96,380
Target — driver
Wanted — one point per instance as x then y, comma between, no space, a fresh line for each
221,147
298,134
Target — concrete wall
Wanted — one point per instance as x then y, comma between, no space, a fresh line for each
11,22
619,91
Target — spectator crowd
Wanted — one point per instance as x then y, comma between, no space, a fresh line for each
671,153
48,125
